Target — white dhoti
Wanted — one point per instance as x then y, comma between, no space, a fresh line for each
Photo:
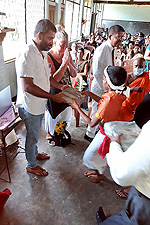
91,158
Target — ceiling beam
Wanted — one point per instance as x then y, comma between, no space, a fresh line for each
121,2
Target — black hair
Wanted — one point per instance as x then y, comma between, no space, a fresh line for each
82,49
115,29
117,75
104,39
137,45
141,34
44,26
131,42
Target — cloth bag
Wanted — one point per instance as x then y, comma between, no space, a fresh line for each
62,139
4,195
129,130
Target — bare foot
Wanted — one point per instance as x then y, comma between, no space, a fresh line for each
94,176
90,172
123,193
48,136
39,171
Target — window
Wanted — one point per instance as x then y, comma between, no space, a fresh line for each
51,13
22,16
72,19
34,13
87,18
100,9
14,18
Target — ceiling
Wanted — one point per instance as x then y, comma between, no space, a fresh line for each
123,2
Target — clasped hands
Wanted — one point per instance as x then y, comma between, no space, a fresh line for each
66,57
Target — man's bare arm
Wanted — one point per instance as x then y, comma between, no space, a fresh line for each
31,88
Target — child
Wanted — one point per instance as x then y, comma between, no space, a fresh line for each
108,106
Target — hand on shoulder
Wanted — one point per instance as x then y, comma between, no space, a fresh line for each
116,138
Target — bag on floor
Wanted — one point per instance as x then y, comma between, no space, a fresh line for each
4,195
62,139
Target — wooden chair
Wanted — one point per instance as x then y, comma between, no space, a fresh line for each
90,83
73,81
8,121
80,45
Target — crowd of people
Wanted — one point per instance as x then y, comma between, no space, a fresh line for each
116,96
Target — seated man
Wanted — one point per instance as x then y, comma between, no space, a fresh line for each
139,78
128,168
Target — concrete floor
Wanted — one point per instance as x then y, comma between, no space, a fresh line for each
65,196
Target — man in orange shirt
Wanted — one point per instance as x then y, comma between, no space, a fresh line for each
140,78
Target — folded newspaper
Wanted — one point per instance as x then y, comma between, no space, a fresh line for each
129,131
72,93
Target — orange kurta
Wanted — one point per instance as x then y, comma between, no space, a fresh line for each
130,104
109,106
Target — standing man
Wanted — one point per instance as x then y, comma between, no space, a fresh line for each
33,78
104,56
131,168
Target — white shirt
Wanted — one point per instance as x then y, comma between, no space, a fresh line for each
72,53
30,63
101,59
133,166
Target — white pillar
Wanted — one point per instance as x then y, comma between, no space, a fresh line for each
81,15
46,9
58,12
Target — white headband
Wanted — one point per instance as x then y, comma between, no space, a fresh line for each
119,89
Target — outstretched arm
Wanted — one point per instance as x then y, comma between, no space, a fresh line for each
91,122
91,95
29,86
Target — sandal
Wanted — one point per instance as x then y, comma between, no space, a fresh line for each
122,193
39,171
42,156
100,215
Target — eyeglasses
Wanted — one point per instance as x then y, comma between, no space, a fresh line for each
118,37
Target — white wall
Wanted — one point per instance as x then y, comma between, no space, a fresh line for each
11,75
7,73
128,13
